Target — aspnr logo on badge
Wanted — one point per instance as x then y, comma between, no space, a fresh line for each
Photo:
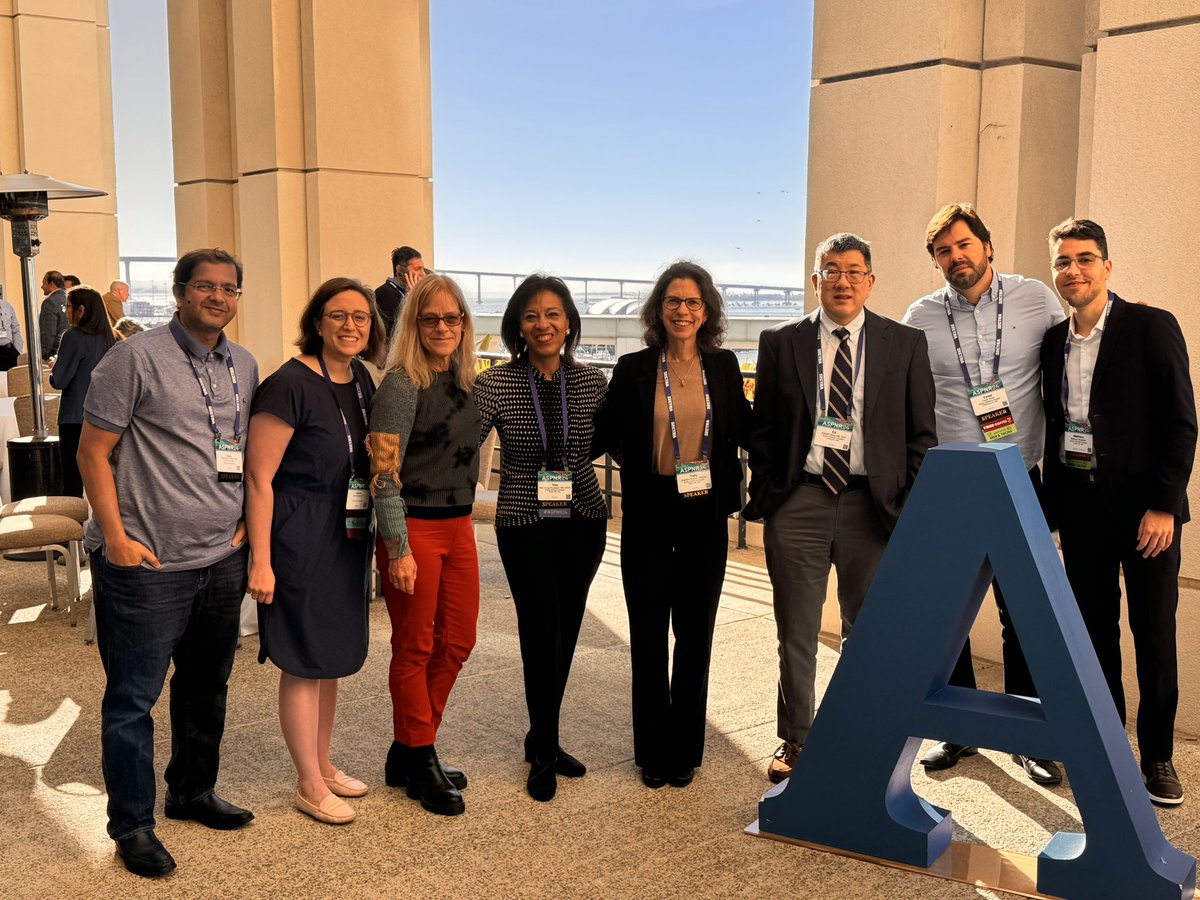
890,690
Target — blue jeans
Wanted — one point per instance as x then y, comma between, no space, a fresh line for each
144,619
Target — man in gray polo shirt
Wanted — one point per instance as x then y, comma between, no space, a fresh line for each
161,453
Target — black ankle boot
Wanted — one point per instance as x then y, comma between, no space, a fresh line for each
429,784
395,770
564,764
542,784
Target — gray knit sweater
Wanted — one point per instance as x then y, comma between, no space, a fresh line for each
424,446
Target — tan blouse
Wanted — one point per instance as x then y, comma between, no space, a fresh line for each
689,417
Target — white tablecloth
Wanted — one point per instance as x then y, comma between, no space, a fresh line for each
8,429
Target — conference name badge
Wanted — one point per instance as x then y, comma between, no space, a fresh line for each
1079,446
554,491
833,433
229,459
986,398
358,502
693,479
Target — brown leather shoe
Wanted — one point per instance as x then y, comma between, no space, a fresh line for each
780,766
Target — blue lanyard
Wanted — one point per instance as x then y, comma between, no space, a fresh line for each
822,409
706,440
537,411
1067,356
362,406
237,397
962,360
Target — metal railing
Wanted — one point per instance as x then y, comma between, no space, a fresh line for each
610,466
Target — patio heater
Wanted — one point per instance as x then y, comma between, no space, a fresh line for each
35,467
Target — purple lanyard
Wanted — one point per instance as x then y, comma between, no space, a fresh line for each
822,410
362,407
537,411
706,440
1067,356
962,359
237,397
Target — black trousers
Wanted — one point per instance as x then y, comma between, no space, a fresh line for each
68,447
1099,543
672,567
550,566
1017,679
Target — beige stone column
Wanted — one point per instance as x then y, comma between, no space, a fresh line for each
915,105
303,141
1143,188
56,120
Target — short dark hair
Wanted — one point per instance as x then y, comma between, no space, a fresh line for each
95,317
310,340
527,290
1080,230
72,280
842,242
711,333
401,256
957,212
55,278
188,262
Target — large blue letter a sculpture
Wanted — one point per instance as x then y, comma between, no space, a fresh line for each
972,514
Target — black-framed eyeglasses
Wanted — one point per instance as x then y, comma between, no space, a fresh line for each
692,303
339,317
429,321
832,276
1083,260
228,291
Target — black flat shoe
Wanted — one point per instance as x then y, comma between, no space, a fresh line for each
143,854
566,764
652,778
210,811
943,755
542,784
395,769
681,778
428,783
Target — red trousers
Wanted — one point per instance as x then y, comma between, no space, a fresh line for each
433,628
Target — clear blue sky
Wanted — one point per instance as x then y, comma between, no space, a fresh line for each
579,138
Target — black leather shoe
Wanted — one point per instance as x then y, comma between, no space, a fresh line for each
943,755
395,769
681,777
143,854
428,783
542,784
566,764
652,778
210,811
1043,771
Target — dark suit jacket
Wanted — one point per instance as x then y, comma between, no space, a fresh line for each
390,300
1143,413
625,426
897,418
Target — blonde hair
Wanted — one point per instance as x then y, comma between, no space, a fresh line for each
408,354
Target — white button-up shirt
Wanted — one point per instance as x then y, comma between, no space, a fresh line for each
815,462
1081,364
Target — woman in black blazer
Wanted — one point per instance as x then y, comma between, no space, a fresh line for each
673,418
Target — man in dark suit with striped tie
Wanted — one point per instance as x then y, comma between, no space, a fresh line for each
843,415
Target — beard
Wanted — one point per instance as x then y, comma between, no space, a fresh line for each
965,279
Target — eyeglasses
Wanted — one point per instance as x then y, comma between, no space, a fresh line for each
832,276
338,317
228,291
693,303
1083,260
453,320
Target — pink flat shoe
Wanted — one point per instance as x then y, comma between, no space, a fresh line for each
345,786
332,810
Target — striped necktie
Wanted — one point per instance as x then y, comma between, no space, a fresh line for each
836,470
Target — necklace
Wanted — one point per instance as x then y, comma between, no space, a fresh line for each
686,373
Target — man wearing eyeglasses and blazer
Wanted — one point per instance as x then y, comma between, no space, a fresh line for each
843,416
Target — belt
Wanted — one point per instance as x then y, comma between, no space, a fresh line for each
856,482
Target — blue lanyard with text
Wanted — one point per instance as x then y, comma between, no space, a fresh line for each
706,440
822,410
362,406
537,411
1067,356
237,397
962,360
